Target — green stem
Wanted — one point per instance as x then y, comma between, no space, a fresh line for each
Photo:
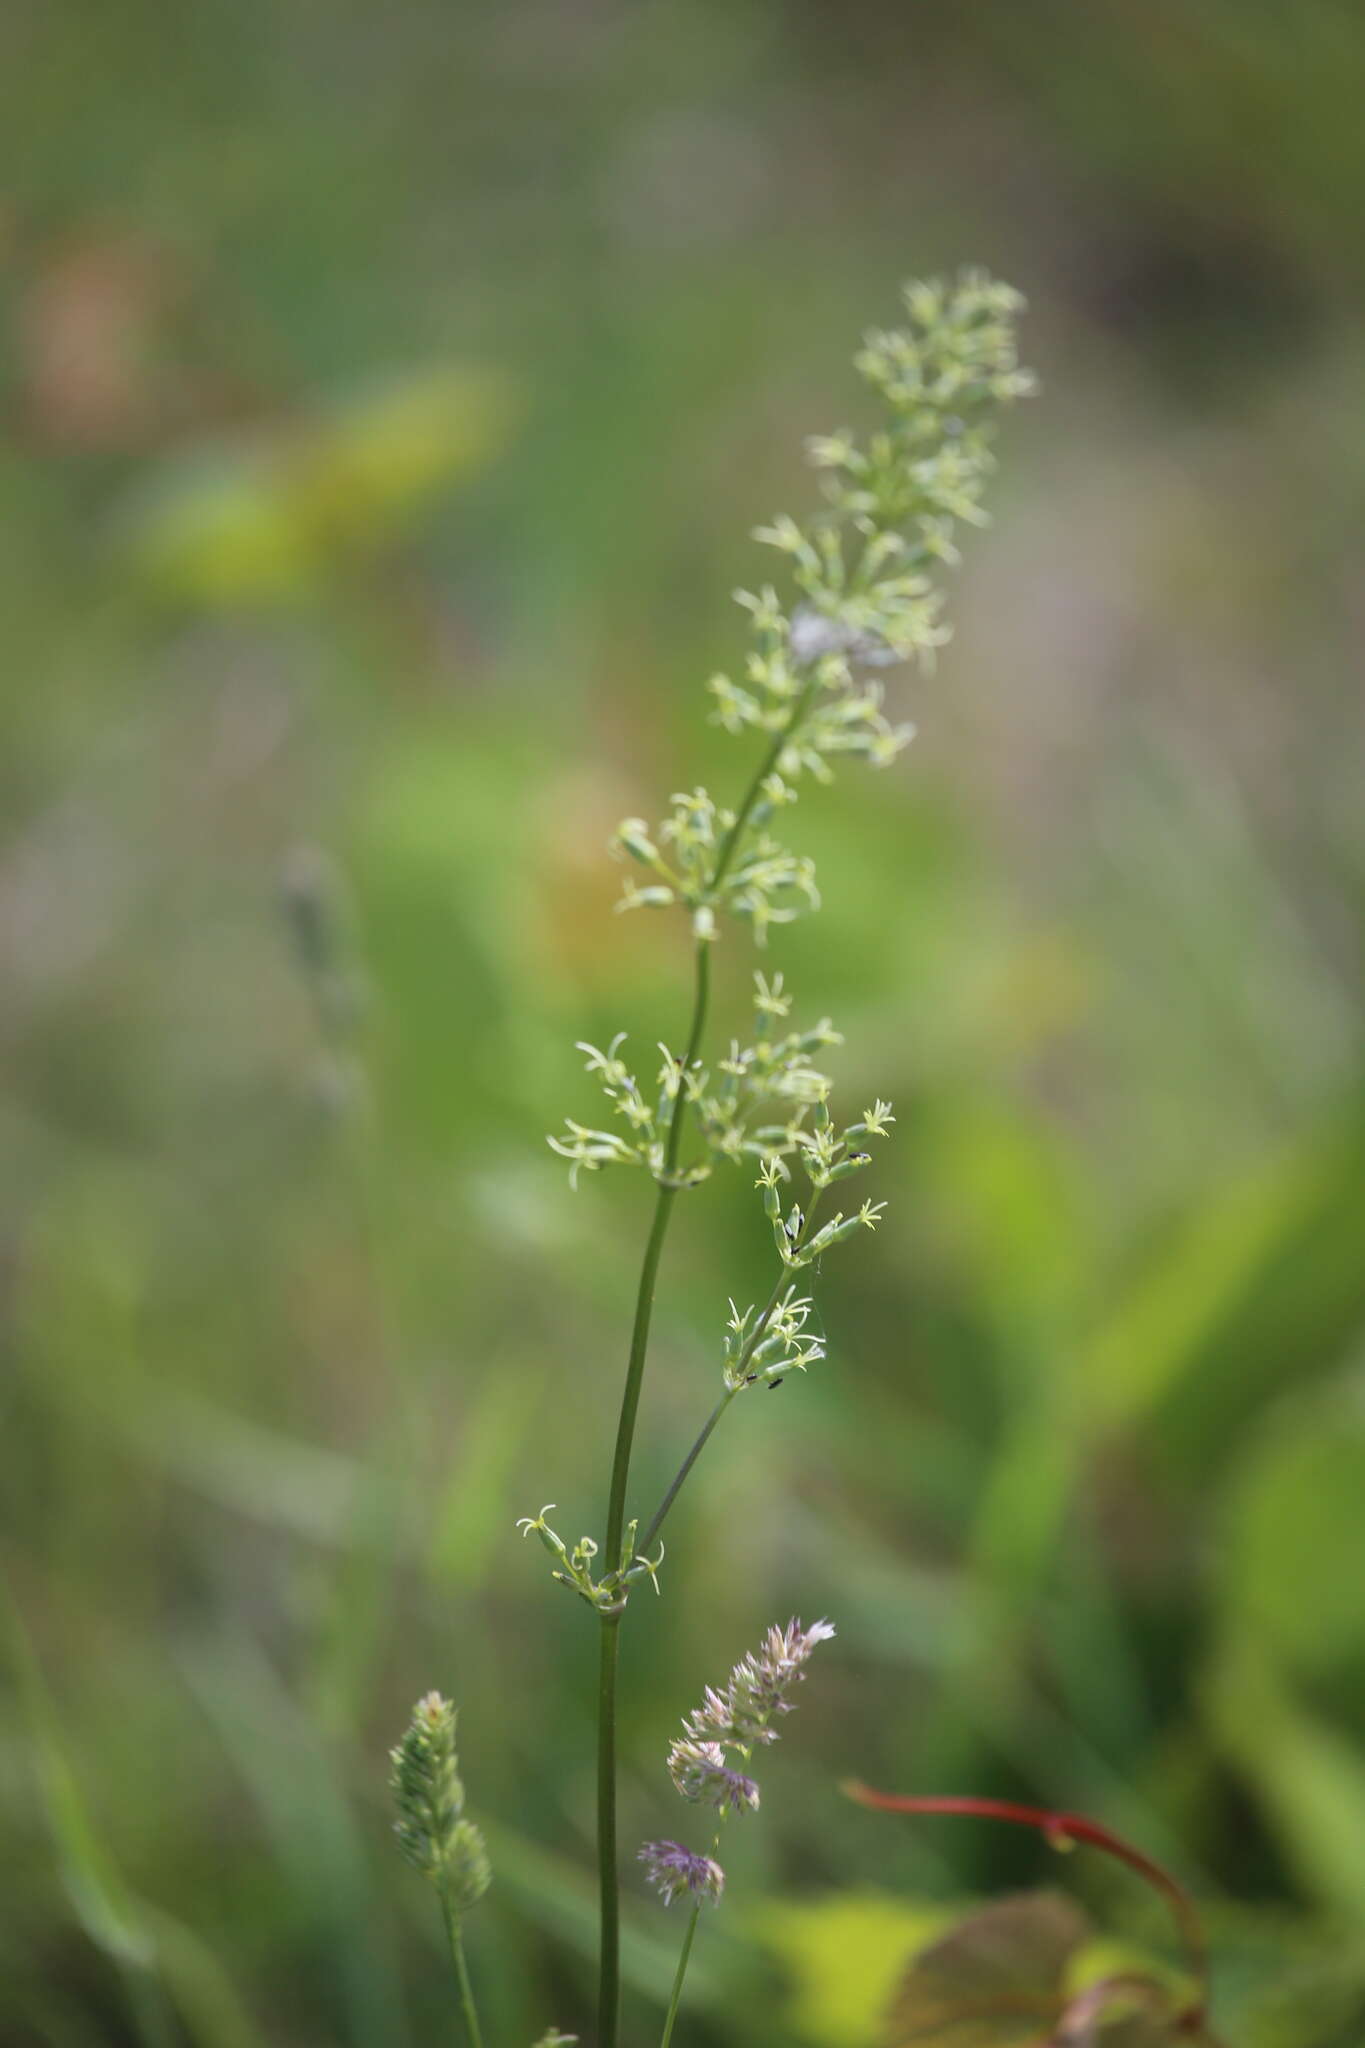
649,1270
680,1973
781,739
609,1935
466,1989
609,1970
686,1956
688,1462
663,1205
759,1332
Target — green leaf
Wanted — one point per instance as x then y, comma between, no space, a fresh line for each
1136,2030
998,1980
1128,2007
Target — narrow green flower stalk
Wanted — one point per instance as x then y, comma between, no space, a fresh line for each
438,1841
865,594
433,1835
866,574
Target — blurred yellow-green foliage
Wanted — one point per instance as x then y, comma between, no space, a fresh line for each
388,393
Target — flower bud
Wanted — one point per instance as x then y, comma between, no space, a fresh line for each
632,837
850,1164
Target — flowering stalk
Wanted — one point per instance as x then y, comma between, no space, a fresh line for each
864,571
447,1849
736,1721
865,574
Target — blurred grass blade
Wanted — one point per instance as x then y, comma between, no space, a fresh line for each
166,1968
251,1468
102,1903
204,1995
1263,1285
325,1874
469,1519
1310,1778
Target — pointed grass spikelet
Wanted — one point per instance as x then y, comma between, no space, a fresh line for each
741,1715
700,1772
429,1797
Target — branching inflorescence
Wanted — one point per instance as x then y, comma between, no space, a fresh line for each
733,1722
736,1720
865,574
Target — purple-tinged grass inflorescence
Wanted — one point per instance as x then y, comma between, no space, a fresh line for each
673,1870
737,1718
700,1772
741,1715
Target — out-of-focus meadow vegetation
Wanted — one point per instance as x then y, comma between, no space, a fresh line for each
388,395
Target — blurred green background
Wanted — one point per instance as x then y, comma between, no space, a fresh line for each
388,394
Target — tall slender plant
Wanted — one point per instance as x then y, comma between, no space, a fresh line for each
865,593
